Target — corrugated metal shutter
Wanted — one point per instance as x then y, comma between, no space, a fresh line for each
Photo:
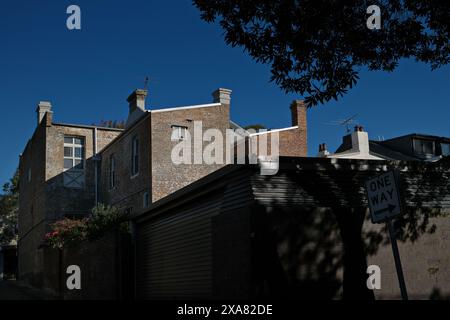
174,252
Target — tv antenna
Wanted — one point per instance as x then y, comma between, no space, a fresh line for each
149,80
146,83
345,122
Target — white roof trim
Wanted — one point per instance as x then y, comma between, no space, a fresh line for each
271,131
235,124
353,155
185,108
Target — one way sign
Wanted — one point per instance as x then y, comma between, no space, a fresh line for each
383,197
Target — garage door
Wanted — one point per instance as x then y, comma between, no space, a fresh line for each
174,253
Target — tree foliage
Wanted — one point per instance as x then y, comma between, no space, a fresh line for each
9,208
116,124
255,127
318,47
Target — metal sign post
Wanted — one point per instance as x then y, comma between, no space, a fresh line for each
384,203
398,262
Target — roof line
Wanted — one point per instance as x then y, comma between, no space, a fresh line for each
418,135
126,131
236,124
85,126
271,131
185,107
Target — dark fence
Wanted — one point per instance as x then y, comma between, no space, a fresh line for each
8,261
105,265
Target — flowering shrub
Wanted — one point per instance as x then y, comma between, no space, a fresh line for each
68,232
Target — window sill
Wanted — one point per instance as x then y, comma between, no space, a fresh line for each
135,176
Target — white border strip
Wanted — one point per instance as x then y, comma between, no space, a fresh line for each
271,131
185,108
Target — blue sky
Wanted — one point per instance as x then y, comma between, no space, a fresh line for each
88,74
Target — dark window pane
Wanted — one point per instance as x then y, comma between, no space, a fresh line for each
136,164
112,164
445,149
68,163
418,146
423,146
79,152
135,156
78,141
68,152
68,140
428,147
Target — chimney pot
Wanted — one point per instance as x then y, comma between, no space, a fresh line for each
323,152
222,95
321,147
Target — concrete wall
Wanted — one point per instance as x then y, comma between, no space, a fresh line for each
426,263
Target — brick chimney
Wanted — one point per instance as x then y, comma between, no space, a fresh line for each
298,111
300,142
136,102
222,96
44,112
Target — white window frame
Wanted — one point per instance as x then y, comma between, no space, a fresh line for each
74,176
73,146
179,133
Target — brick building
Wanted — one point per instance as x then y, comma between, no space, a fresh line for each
66,169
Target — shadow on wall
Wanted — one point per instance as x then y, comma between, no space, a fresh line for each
437,295
105,265
320,249
101,261
299,254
